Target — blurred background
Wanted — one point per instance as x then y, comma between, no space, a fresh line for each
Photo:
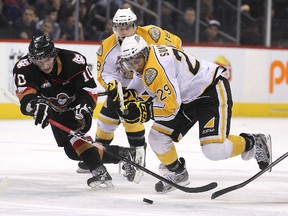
224,22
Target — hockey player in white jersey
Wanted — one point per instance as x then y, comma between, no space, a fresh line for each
186,90
110,72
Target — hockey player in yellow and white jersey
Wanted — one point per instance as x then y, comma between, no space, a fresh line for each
110,72
186,90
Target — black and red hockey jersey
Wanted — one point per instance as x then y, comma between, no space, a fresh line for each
70,82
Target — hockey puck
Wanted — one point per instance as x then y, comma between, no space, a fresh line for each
147,201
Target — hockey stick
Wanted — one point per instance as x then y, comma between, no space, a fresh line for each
15,100
10,97
121,96
204,188
102,94
238,186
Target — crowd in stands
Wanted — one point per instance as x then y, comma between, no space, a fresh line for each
20,19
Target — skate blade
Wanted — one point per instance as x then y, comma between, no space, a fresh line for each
107,185
79,170
138,176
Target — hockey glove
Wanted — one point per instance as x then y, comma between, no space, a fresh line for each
41,112
137,112
84,114
111,88
130,95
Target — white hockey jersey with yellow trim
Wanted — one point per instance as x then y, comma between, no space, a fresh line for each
174,77
108,54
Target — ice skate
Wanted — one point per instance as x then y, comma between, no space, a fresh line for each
136,155
180,177
82,168
263,154
101,179
261,150
163,169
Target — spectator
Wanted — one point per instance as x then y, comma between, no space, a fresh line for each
46,28
96,21
186,26
126,5
167,21
107,32
211,35
13,10
207,10
250,31
61,6
51,15
68,27
84,17
26,26
40,6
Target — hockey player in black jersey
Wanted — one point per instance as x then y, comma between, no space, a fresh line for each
54,83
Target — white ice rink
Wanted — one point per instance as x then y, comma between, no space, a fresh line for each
36,178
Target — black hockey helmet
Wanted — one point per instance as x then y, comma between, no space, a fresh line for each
41,47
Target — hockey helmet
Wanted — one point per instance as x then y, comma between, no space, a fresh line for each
124,17
41,47
134,46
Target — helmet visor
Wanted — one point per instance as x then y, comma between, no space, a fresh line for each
43,61
136,59
122,28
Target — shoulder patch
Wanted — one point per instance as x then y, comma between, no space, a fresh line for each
149,75
100,50
154,34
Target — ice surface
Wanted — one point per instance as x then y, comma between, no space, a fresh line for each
36,177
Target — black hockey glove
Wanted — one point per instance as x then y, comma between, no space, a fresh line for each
42,112
129,95
137,112
111,88
84,114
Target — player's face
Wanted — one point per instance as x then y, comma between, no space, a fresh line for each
125,31
137,63
46,65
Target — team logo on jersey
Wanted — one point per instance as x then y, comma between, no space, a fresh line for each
61,102
62,99
154,34
150,75
46,84
29,108
100,50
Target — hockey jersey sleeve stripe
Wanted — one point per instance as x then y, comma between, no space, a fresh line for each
162,85
23,91
93,92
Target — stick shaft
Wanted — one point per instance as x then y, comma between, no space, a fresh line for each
204,188
242,184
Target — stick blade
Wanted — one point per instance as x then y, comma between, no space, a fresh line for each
200,189
224,191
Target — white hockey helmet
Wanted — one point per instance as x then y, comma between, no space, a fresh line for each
133,45
124,17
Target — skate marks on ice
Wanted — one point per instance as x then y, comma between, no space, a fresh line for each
41,180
